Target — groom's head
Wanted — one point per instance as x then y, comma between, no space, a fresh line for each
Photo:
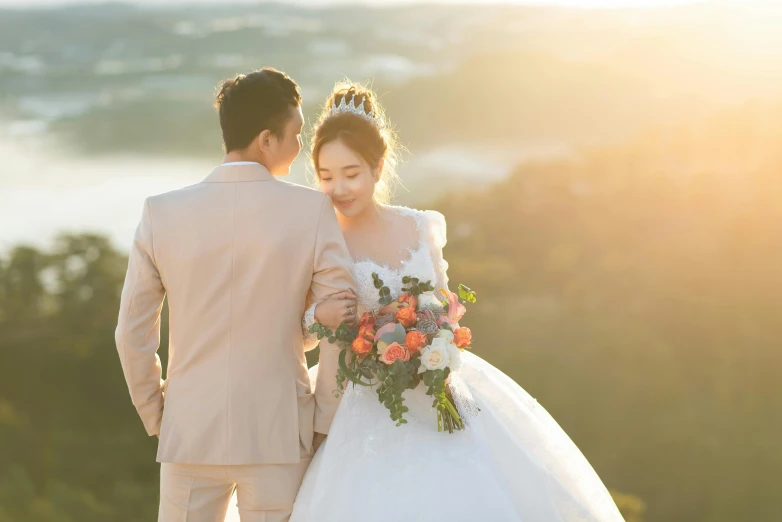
260,114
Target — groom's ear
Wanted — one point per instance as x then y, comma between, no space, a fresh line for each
264,140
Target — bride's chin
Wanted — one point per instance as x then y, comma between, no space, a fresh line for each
348,214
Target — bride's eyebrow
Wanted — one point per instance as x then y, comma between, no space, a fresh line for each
348,167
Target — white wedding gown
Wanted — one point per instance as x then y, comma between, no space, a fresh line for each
513,463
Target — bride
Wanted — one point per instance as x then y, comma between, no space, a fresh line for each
512,463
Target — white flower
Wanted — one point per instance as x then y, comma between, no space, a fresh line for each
455,355
435,356
445,334
430,301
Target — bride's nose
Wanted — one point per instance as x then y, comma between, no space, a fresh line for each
339,187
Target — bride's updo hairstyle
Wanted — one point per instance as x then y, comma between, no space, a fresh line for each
364,131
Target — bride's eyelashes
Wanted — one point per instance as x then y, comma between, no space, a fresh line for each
353,176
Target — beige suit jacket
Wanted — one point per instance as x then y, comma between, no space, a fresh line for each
238,255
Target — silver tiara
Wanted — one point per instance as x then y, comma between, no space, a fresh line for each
357,110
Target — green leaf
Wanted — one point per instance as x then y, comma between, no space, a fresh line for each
397,336
348,373
467,294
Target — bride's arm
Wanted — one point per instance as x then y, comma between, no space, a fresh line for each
436,229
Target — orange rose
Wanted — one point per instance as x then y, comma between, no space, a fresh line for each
410,300
407,317
393,352
367,332
361,346
462,337
366,320
392,308
415,341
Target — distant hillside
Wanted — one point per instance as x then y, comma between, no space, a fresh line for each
141,80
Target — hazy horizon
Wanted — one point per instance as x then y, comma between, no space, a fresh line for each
563,3
97,101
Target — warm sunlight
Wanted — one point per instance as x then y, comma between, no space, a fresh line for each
604,175
602,3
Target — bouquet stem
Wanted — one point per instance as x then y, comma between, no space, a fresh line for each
448,417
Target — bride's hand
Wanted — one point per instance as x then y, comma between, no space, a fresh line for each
338,309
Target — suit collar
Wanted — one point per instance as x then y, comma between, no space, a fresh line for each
239,173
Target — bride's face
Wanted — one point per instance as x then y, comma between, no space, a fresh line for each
346,178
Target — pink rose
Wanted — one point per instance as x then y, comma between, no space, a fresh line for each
393,352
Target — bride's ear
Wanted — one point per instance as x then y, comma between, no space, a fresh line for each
379,171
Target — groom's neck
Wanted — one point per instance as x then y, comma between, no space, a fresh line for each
240,155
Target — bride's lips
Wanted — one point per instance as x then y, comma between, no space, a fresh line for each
344,204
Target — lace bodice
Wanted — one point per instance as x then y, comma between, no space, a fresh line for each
425,261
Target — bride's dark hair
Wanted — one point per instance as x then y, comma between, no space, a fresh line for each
364,137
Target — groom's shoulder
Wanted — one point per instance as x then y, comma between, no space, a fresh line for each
172,196
294,196
300,193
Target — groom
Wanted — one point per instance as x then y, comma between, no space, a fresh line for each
238,255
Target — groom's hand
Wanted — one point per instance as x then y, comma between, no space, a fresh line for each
317,441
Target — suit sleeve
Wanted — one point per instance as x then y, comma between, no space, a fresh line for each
331,275
138,328
310,339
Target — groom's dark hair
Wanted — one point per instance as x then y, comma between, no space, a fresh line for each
251,103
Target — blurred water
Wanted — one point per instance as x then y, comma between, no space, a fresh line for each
42,194
45,191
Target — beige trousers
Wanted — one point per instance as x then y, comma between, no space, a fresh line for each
201,493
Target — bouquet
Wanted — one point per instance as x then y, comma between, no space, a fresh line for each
414,339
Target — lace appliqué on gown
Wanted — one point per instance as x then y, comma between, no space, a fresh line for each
424,261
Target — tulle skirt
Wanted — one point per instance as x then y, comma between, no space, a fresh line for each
513,463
